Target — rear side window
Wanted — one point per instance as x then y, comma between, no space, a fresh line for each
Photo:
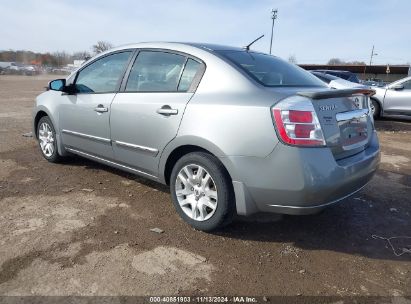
271,71
103,75
155,72
190,71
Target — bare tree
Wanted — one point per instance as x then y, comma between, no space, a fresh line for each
292,59
356,62
62,58
335,61
101,46
83,55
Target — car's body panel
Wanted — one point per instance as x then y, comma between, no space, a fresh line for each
395,102
84,129
149,132
278,181
227,114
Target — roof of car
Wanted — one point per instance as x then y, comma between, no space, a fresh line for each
160,44
214,47
335,71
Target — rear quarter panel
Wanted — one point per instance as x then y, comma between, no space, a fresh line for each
232,123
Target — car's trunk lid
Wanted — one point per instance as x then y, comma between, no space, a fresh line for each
345,119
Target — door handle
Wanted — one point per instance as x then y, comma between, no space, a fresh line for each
167,110
101,109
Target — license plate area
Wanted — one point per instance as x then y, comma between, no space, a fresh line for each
353,129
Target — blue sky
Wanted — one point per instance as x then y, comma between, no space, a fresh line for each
311,30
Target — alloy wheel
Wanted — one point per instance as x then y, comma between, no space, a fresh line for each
196,192
46,139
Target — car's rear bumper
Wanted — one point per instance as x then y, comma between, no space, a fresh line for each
300,180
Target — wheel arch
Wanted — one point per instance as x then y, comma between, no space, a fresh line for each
179,147
37,117
182,146
42,111
379,103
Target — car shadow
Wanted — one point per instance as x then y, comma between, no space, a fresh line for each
347,227
77,161
351,227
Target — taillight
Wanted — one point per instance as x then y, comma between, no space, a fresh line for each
298,127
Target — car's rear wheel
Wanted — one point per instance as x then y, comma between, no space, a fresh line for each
202,191
46,135
375,108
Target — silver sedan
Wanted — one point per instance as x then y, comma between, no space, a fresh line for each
231,131
393,99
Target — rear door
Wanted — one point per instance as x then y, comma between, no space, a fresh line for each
398,101
146,114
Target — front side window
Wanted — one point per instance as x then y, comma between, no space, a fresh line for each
155,72
271,71
103,75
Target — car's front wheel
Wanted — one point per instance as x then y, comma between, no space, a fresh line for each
202,191
46,135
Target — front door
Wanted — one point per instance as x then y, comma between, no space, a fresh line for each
398,101
85,115
146,115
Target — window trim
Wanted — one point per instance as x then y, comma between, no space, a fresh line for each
117,88
194,84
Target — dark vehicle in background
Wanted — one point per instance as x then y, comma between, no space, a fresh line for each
346,75
335,82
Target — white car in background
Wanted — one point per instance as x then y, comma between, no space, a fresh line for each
394,99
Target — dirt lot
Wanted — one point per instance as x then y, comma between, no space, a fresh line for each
81,228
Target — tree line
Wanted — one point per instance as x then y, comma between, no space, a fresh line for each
55,59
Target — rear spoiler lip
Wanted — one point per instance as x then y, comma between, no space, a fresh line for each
336,93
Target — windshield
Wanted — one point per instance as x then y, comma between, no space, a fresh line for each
271,71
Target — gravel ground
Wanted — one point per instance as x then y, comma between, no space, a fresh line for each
81,228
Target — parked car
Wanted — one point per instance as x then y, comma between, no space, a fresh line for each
374,83
393,99
346,75
335,82
229,130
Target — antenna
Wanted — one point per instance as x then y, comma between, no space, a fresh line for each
247,47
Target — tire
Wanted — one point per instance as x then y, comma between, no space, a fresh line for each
48,142
213,190
375,108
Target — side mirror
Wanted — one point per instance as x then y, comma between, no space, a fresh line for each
57,85
397,87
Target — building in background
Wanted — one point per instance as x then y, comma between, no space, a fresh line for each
384,73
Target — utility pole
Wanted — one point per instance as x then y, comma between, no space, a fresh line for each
372,55
273,16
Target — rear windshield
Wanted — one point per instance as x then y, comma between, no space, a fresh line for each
271,71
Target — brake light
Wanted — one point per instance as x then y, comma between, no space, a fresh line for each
298,127
300,116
